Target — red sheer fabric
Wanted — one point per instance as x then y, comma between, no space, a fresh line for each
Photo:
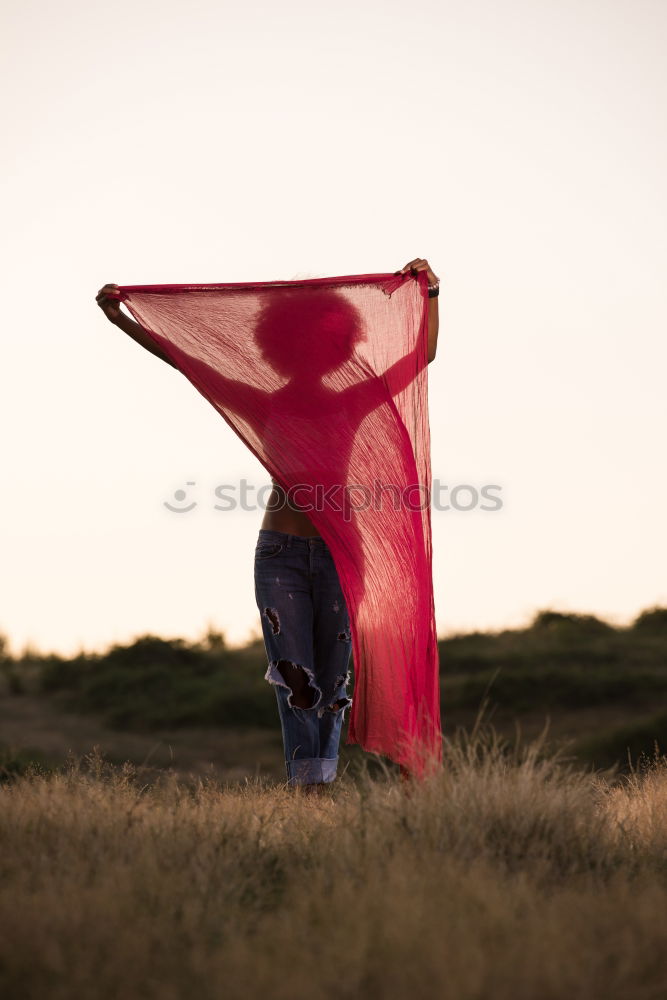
325,380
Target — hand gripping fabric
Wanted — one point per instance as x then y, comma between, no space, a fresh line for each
325,380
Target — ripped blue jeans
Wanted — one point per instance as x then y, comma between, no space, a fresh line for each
308,644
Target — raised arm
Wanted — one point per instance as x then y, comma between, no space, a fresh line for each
113,312
433,324
245,400
421,264
402,372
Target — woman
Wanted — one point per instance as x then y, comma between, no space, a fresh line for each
304,618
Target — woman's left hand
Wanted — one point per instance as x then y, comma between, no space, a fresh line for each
419,264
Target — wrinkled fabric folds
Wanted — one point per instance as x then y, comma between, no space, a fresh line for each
325,381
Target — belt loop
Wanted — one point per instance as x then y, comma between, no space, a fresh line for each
288,543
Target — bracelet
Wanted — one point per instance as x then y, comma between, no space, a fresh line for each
433,291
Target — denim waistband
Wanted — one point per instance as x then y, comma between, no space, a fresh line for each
293,541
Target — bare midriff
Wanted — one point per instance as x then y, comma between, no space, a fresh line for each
281,515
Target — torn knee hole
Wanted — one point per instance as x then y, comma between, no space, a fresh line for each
335,706
274,618
304,693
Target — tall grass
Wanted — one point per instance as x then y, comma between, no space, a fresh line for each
509,874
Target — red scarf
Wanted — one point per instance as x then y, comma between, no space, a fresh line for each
325,380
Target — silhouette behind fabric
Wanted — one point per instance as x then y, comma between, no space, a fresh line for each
325,380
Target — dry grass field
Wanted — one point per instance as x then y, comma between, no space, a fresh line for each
510,875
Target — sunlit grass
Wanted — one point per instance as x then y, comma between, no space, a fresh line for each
509,874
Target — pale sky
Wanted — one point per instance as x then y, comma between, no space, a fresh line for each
520,147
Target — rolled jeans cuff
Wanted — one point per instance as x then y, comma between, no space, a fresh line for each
311,770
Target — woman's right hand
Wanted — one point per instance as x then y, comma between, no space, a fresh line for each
109,306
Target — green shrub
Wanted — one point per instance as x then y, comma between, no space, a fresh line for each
653,621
